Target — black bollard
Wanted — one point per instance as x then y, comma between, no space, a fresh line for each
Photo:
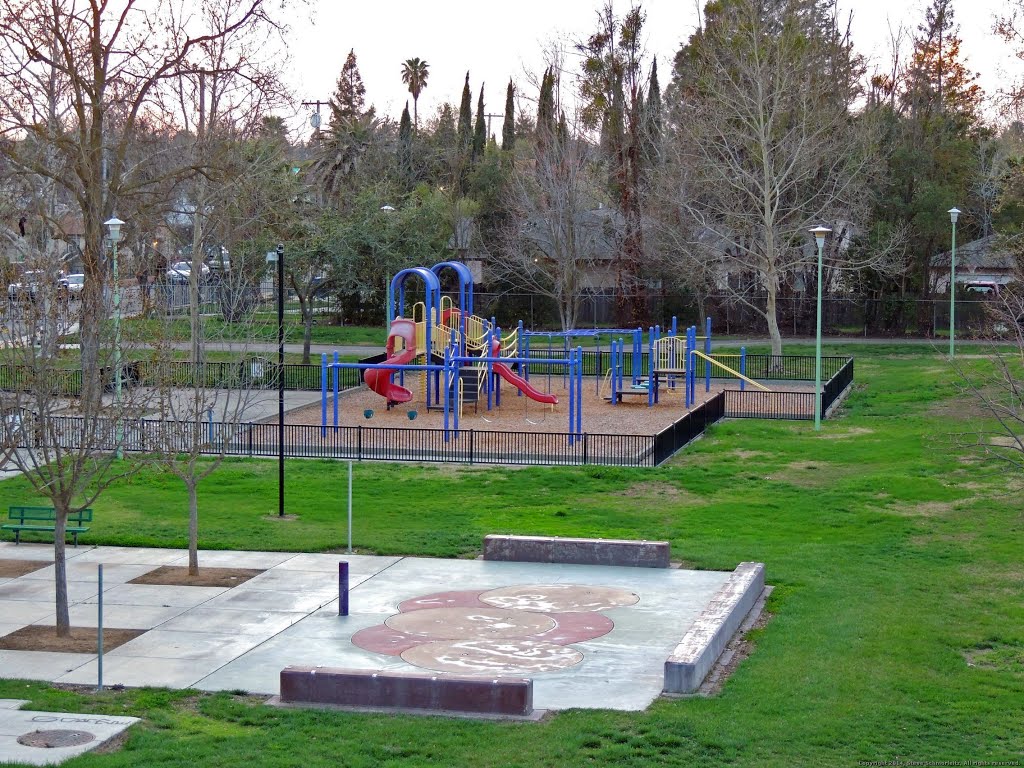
343,588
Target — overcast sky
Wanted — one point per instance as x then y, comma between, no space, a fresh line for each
498,41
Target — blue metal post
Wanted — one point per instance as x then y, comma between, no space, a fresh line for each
489,341
650,365
674,326
446,397
743,368
497,382
572,405
343,588
637,349
334,384
323,394
707,351
579,390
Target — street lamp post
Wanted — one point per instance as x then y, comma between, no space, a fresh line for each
954,213
113,226
278,256
819,233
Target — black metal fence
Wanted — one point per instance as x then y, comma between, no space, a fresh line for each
357,443
683,430
780,404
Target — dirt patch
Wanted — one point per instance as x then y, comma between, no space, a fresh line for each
850,432
285,518
178,576
924,509
808,474
12,569
658,492
39,637
1001,658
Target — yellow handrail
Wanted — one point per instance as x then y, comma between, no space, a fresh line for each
737,374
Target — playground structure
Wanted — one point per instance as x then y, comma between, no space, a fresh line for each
462,358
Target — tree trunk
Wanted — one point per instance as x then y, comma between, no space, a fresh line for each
193,527
771,315
60,570
306,307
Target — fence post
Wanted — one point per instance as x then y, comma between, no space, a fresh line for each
250,439
359,442
472,434
584,447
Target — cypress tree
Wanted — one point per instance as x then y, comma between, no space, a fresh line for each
465,117
480,130
652,121
405,148
546,105
508,129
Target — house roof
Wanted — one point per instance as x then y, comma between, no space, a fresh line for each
986,253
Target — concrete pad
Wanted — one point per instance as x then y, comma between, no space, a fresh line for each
216,558
113,573
11,551
12,703
297,581
268,600
219,620
95,730
117,615
218,647
157,594
7,627
139,671
41,665
25,611
357,564
128,555
40,590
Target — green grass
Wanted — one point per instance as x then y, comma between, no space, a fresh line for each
897,628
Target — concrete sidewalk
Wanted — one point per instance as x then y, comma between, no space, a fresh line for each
612,655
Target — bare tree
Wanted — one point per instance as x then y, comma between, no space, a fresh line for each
65,445
764,145
203,405
561,239
85,78
999,387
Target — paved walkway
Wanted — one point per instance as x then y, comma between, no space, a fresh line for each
589,636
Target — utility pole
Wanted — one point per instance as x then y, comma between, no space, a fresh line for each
489,134
316,120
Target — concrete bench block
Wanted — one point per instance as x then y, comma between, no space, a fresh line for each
707,637
398,690
553,549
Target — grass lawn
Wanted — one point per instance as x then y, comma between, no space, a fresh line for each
898,620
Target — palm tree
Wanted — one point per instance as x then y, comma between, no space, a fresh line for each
414,74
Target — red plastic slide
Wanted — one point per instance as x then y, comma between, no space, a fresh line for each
379,379
518,381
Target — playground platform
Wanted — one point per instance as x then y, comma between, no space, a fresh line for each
588,636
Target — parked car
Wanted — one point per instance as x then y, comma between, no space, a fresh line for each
75,286
181,272
32,285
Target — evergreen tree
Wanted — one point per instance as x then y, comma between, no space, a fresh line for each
652,119
349,96
546,106
480,129
465,118
405,148
508,128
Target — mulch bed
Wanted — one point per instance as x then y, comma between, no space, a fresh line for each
39,637
178,576
12,569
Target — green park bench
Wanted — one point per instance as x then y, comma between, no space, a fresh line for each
44,519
